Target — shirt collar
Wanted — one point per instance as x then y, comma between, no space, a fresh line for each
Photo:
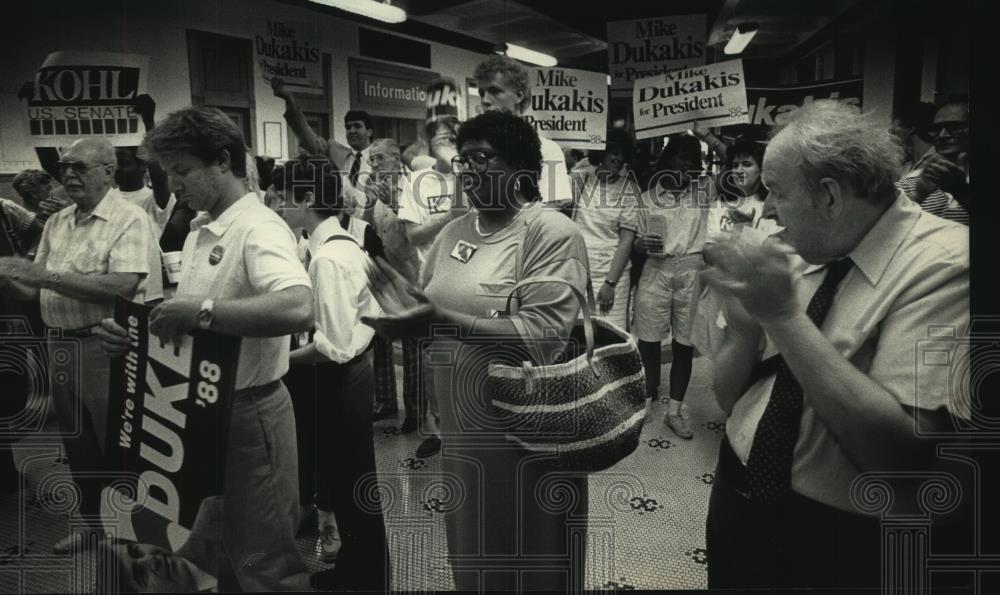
104,209
874,252
221,225
323,232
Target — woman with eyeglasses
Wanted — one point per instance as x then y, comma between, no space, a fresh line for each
501,502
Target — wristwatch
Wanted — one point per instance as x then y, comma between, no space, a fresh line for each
207,314
610,282
52,279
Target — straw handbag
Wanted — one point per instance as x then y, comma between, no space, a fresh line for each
586,410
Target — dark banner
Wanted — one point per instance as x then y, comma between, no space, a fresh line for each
767,105
167,426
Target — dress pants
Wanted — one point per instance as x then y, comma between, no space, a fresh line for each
346,465
260,501
80,398
301,383
795,542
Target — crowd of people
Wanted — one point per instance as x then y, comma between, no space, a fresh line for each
807,269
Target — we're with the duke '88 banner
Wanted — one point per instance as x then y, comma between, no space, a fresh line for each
168,418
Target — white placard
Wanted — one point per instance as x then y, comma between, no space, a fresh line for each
645,47
570,106
290,50
77,94
714,95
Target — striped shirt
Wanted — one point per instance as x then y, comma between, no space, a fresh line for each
938,202
115,238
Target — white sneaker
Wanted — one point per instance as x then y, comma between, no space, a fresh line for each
329,545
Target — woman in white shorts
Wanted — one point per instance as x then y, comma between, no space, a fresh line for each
673,219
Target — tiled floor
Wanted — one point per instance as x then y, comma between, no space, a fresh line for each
645,531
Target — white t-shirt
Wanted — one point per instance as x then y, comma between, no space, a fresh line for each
720,218
432,194
554,182
143,198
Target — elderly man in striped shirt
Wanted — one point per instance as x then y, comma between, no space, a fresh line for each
90,252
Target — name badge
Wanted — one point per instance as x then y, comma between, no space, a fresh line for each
463,251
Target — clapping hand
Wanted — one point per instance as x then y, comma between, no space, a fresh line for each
940,172
758,277
407,311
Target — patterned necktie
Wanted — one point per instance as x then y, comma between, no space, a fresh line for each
769,466
355,169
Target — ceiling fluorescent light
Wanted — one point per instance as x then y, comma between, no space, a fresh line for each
741,37
531,56
381,11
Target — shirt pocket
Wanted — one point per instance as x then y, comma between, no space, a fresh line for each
494,294
89,257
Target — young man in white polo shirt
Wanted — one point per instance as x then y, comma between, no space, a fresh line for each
344,382
239,276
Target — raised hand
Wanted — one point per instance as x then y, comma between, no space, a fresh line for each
407,311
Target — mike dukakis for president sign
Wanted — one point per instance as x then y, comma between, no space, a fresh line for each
714,95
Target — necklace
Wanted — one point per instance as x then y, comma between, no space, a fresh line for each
482,234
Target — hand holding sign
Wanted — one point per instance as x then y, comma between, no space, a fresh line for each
279,89
174,318
113,336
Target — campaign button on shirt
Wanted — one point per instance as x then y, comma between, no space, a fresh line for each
463,251
216,255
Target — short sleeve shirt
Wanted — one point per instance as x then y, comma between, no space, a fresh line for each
601,212
685,213
431,195
247,251
116,237
909,283
553,183
474,275
143,198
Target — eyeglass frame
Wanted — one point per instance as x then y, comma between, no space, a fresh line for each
79,168
954,127
481,164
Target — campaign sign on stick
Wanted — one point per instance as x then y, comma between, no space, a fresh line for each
168,417
290,50
78,94
570,106
645,47
714,95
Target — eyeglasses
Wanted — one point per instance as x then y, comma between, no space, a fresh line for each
79,168
376,159
477,160
953,128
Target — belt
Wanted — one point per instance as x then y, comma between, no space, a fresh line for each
80,333
263,388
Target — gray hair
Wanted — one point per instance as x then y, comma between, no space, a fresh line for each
835,140
387,145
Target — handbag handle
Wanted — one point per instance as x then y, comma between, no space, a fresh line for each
586,306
